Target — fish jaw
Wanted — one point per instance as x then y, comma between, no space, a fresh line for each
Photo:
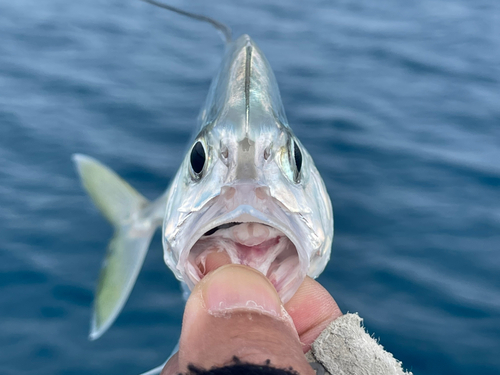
267,238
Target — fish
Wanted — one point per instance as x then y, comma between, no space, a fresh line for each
247,192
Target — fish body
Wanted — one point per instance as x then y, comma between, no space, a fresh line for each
246,190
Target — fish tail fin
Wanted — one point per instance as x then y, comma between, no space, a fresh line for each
122,205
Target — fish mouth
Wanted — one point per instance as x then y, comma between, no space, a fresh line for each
260,246
248,237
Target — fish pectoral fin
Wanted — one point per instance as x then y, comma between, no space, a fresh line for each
121,205
156,370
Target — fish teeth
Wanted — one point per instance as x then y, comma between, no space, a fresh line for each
250,234
260,231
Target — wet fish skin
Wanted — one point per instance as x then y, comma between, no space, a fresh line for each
254,170
244,119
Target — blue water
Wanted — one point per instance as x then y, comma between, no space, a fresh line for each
397,101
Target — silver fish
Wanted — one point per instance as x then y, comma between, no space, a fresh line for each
247,191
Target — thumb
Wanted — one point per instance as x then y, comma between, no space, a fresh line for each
235,311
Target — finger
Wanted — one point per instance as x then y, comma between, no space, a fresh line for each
235,311
215,260
312,309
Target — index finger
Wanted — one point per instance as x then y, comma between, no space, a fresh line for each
312,309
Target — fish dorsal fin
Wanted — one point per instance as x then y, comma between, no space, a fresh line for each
222,28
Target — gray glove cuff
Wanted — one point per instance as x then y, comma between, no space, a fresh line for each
345,348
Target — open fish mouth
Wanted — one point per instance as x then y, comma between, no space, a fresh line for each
244,225
257,245
268,243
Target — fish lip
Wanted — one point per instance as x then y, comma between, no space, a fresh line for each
244,214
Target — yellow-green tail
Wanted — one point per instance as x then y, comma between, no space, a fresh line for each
122,205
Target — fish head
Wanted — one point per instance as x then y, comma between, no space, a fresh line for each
247,190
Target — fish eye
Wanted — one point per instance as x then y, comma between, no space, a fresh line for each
290,159
297,154
296,157
198,158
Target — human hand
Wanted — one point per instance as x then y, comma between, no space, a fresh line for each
235,311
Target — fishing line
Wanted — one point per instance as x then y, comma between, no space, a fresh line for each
223,29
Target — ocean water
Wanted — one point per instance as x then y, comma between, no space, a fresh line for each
398,103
